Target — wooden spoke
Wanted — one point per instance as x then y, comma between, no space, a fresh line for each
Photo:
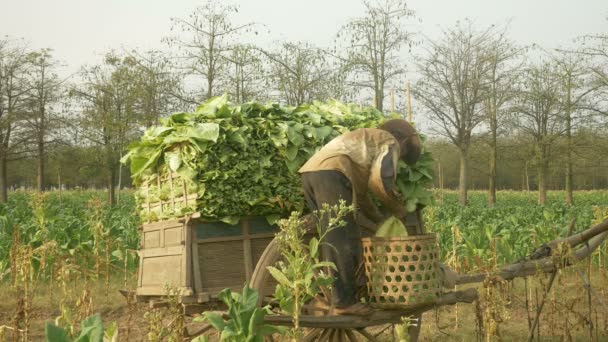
383,330
351,335
367,335
312,335
325,335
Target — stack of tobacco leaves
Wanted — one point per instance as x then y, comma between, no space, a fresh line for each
242,160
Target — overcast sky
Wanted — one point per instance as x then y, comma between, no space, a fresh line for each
80,30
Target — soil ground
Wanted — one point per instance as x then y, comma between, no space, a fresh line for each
566,315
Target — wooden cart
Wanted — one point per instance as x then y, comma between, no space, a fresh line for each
202,258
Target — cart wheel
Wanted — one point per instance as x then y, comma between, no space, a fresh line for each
260,280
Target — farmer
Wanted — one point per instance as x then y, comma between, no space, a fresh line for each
348,168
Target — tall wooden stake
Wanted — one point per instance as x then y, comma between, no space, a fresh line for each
393,100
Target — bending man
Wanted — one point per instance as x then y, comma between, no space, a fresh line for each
348,168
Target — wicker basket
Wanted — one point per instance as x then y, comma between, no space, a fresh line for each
401,271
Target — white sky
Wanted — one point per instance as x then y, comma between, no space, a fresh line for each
80,31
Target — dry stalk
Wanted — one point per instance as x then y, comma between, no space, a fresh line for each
154,318
23,278
175,329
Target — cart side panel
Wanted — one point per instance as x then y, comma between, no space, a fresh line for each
164,259
228,253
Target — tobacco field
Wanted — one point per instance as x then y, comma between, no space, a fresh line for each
73,245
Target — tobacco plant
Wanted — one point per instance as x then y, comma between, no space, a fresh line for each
302,275
245,322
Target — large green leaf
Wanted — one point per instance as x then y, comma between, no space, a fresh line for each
54,333
279,276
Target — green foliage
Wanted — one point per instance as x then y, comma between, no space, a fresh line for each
246,318
65,218
516,224
302,275
243,159
91,330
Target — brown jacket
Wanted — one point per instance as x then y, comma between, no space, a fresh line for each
358,155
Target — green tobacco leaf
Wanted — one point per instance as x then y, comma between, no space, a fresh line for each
325,264
323,132
175,160
279,276
295,137
291,152
54,333
314,247
96,334
215,320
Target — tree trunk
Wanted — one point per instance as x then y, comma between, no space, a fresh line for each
569,196
493,157
542,178
462,184
40,165
379,99
110,173
527,176
3,179
111,187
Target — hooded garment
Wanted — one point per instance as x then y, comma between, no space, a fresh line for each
358,155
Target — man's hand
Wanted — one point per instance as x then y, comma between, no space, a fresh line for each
366,223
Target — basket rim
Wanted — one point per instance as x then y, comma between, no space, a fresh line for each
430,236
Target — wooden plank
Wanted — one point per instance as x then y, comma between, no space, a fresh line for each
247,257
159,290
163,251
172,192
213,291
236,238
152,205
187,256
185,187
159,191
162,224
196,267
140,273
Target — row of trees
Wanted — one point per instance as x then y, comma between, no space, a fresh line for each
477,88
477,85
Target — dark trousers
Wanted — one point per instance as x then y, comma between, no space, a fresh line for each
342,246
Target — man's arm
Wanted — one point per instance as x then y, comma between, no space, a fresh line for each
368,214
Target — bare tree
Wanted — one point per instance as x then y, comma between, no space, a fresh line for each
374,44
504,65
108,95
13,88
158,87
43,101
206,38
573,73
453,86
246,78
301,73
539,116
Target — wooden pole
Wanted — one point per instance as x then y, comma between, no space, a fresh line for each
393,100
409,103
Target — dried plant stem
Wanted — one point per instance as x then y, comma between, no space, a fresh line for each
542,304
528,294
590,305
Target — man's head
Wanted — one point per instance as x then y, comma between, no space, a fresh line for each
407,137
